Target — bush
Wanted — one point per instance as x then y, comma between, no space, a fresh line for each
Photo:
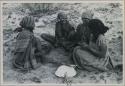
114,5
37,8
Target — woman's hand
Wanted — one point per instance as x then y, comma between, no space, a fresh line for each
100,51
90,41
84,45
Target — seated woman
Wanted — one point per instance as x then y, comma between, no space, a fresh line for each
93,56
83,31
63,33
28,50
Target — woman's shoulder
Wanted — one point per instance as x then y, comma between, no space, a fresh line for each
24,34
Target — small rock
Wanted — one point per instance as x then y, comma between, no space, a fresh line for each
102,77
93,77
36,80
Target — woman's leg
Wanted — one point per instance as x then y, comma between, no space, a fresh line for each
49,38
85,60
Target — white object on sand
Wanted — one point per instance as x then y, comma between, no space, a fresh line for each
64,70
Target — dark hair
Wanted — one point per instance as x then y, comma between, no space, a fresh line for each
28,23
97,27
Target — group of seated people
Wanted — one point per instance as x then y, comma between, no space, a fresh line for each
86,43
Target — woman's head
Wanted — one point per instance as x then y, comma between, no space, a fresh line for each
28,22
87,15
97,27
62,17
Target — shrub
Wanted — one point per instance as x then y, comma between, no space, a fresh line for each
37,8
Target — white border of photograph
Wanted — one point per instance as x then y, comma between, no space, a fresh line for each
58,1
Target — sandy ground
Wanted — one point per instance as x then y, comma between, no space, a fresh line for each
111,15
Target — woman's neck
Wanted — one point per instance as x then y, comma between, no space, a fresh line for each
28,30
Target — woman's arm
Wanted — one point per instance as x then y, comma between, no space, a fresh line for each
58,31
99,53
102,47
